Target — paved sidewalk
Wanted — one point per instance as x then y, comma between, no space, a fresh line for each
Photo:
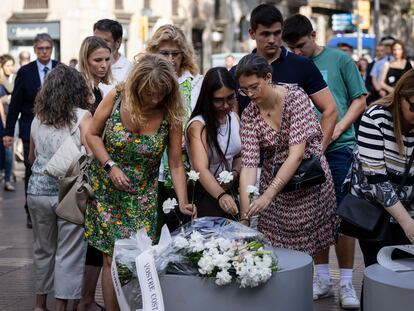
16,263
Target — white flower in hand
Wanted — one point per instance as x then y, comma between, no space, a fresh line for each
225,177
193,175
169,205
252,190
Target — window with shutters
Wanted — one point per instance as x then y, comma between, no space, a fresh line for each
35,4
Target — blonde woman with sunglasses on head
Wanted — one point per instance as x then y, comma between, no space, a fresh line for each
170,42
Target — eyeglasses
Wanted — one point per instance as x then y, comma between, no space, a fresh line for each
44,48
245,91
220,102
173,54
410,104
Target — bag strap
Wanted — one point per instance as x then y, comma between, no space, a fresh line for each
407,170
115,107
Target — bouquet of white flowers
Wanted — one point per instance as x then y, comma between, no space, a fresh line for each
213,247
226,260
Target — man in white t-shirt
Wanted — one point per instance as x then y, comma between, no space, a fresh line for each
111,32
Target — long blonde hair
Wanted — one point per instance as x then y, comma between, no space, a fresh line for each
89,45
403,89
171,33
154,73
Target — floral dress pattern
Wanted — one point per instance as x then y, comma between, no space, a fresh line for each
304,219
115,214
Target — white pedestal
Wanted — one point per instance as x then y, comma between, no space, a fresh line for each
289,289
386,290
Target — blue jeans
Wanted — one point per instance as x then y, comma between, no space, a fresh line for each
339,161
8,163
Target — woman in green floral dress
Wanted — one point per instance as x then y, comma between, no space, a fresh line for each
124,175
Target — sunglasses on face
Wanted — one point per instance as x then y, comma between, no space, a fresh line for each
410,104
173,54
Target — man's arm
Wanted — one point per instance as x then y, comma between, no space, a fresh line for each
325,103
355,110
15,104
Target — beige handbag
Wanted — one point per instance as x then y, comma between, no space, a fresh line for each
74,187
75,191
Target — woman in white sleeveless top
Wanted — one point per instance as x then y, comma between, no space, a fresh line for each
59,248
213,142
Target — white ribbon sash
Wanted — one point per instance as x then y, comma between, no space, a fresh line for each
152,299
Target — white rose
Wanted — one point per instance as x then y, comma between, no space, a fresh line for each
169,205
193,175
250,189
225,177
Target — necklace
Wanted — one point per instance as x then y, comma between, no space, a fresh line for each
275,102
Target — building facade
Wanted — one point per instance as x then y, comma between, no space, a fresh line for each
213,26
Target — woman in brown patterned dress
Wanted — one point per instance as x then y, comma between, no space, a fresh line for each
280,122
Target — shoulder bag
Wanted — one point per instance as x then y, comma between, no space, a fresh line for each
74,187
309,173
363,219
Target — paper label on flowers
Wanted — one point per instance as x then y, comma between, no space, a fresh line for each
152,299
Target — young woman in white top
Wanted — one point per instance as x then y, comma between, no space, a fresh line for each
214,145
59,247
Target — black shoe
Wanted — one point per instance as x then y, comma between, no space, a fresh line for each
29,222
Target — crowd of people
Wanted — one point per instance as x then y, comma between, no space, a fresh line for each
160,119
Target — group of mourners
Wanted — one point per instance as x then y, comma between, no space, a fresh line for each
163,118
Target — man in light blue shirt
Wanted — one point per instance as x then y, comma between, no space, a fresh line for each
376,71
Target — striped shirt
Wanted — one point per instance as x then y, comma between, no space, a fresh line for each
378,166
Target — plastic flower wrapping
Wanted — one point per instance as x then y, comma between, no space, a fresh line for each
217,248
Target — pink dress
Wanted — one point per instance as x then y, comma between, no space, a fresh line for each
305,219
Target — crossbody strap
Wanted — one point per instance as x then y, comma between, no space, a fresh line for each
407,170
227,147
115,107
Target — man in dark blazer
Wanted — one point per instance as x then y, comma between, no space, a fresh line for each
29,80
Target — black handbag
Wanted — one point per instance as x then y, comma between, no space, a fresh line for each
363,219
309,173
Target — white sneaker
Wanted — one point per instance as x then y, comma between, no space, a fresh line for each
348,297
321,289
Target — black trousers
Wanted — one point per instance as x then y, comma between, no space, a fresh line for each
28,170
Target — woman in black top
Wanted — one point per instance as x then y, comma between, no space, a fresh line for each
394,69
95,65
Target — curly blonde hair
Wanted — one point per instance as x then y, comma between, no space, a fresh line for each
154,73
171,33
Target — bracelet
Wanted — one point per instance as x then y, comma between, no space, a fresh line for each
221,195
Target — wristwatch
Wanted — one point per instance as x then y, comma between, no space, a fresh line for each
108,165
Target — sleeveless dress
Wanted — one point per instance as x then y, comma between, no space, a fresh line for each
394,74
116,214
305,219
